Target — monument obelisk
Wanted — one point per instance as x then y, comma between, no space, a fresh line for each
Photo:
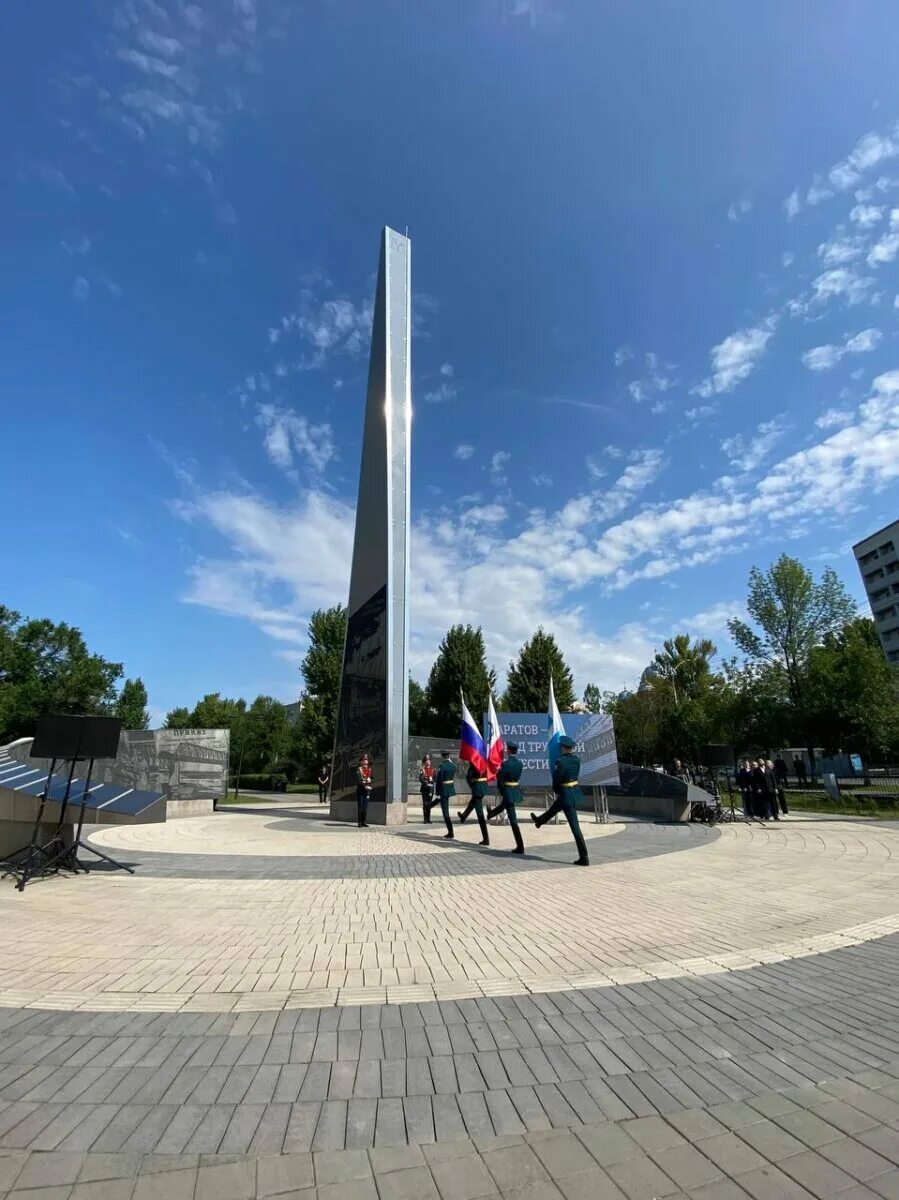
372,715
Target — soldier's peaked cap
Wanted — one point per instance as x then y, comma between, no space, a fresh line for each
567,742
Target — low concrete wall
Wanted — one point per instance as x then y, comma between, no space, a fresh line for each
654,808
176,809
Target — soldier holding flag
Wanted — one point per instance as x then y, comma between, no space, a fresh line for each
473,750
566,768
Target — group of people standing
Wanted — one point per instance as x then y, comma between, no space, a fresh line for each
762,785
438,786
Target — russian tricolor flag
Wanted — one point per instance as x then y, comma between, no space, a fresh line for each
495,745
472,748
555,729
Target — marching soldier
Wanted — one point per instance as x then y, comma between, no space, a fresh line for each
509,789
566,773
427,777
478,785
363,790
446,788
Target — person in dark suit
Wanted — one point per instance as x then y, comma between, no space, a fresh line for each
427,782
799,769
780,779
759,791
508,788
744,783
363,790
566,774
478,785
446,789
324,778
770,788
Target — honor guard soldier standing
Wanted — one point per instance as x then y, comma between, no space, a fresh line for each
508,788
363,790
446,788
478,784
566,773
427,778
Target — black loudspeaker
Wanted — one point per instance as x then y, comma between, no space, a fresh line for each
76,737
716,756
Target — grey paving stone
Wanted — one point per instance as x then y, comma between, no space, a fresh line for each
855,1159
883,1140
283,1173
562,1155
652,1133
464,1178
341,1167
356,1189
171,1185
594,1184
515,1167
771,1142
608,1143
687,1166
641,1179
105,1189
49,1170
410,1184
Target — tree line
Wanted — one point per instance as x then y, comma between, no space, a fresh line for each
45,667
810,672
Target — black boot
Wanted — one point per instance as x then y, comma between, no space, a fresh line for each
485,837
536,820
460,816
519,840
583,860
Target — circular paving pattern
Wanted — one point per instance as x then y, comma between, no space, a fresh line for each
273,909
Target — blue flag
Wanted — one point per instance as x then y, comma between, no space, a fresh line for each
555,729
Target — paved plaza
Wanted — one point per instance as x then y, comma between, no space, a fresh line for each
275,1005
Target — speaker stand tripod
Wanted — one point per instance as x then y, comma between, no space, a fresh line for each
66,857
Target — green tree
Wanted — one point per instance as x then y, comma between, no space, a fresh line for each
527,686
460,667
47,668
421,716
131,705
593,699
217,712
266,732
854,699
793,614
685,666
177,718
313,736
635,716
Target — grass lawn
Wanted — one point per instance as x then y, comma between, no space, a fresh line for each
849,805
247,795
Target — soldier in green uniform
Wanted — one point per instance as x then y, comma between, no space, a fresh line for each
565,784
446,788
478,785
363,790
508,788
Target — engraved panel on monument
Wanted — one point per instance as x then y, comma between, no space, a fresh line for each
361,727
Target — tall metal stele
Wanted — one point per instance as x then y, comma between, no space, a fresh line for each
372,716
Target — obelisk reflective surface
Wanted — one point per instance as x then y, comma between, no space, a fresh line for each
373,709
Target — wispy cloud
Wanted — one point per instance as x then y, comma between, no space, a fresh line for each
739,209
80,248
869,152
289,436
443,393
834,418
748,451
81,289
324,327
498,463
463,451
792,205
656,379
622,355
823,358
866,216
886,249
734,359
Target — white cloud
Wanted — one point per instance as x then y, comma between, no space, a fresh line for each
792,205
739,209
289,435
866,216
485,514
82,247
324,327
158,43
447,370
542,480
840,250
885,250
869,151
841,281
734,359
834,418
622,355
748,451
823,358
714,620
443,393
280,563
81,289
147,63
498,464
787,258
463,451
700,412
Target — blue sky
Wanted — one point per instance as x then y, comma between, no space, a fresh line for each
655,259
